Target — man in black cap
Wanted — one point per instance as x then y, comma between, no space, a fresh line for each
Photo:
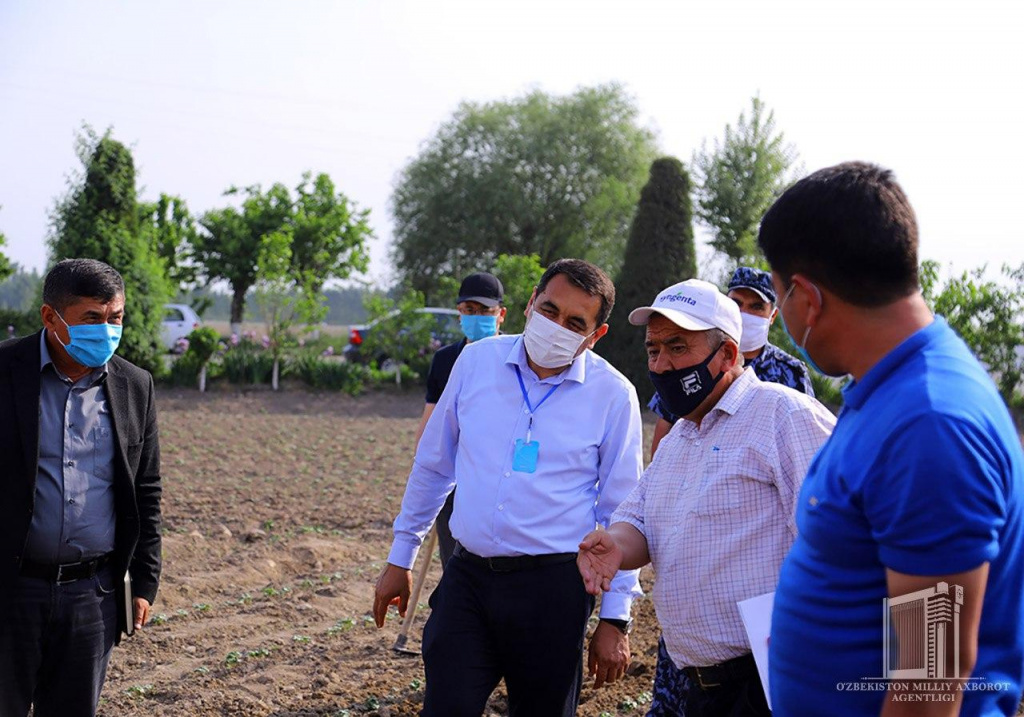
480,314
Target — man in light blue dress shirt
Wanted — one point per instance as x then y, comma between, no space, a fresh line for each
543,438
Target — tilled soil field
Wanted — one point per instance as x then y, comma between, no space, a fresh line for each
277,518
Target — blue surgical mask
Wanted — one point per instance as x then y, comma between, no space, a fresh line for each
802,346
477,327
91,345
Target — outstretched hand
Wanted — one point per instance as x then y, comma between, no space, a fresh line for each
598,560
393,588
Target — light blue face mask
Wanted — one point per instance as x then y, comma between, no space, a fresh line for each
477,327
91,345
802,346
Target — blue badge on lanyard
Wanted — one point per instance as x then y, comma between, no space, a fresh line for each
524,458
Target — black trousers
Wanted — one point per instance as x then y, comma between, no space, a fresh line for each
55,643
526,626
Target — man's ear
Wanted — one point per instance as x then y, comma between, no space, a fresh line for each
529,304
601,331
730,355
775,315
501,315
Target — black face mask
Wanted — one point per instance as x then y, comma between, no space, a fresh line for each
683,389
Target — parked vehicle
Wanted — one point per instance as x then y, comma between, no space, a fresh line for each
179,321
445,330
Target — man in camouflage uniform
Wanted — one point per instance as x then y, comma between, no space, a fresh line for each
753,292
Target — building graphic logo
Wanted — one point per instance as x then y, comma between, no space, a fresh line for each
921,633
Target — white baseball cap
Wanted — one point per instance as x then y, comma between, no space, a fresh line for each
693,305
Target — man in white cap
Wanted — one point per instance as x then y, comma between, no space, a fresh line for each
714,512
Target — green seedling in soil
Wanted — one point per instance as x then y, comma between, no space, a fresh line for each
372,703
300,638
268,525
203,606
628,705
644,698
270,591
415,684
306,529
159,619
233,658
202,670
181,612
139,690
245,599
307,583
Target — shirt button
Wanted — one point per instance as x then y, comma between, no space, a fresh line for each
71,463
501,507
526,412
507,475
71,500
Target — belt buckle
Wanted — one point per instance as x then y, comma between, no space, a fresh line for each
700,680
61,580
494,568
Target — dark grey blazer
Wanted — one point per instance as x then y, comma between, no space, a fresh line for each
136,463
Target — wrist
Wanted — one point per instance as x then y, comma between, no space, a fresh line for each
623,626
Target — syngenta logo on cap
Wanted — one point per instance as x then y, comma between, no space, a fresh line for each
678,296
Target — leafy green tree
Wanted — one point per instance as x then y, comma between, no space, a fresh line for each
401,335
519,275
6,269
233,241
660,252
170,229
987,315
98,218
545,175
329,237
739,178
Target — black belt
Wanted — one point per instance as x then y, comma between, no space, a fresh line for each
66,572
514,563
734,670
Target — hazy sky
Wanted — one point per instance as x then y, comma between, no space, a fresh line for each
210,94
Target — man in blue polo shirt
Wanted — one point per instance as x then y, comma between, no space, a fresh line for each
916,499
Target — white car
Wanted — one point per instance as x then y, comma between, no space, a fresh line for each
179,321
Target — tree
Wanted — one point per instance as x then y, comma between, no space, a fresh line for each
660,252
552,176
98,218
324,233
233,241
519,276
170,230
6,269
739,179
986,315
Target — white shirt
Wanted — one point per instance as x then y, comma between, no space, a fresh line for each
717,506
589,459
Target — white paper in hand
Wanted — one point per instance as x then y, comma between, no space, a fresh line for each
756,614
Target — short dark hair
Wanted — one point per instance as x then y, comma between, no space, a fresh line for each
73,279
586,276
851,228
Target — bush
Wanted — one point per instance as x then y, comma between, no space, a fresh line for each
319,372
200,345
248,362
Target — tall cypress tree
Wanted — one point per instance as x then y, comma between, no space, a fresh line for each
660,252
98,218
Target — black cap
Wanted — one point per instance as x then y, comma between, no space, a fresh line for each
482,288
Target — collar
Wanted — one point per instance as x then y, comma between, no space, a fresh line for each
736,395
577,370
45,359
856,393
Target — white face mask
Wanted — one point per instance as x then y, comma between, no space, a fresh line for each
551,345
755,332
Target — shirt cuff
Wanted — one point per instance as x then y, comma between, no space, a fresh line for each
616,606
403,554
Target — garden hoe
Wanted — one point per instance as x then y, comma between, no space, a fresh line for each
414,599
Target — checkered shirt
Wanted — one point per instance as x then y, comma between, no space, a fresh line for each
717,506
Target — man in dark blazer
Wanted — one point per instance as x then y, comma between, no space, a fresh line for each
79,496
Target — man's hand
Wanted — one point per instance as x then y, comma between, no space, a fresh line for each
393,588
609,654
598,560
141,612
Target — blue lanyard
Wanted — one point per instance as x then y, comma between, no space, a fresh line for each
522,387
